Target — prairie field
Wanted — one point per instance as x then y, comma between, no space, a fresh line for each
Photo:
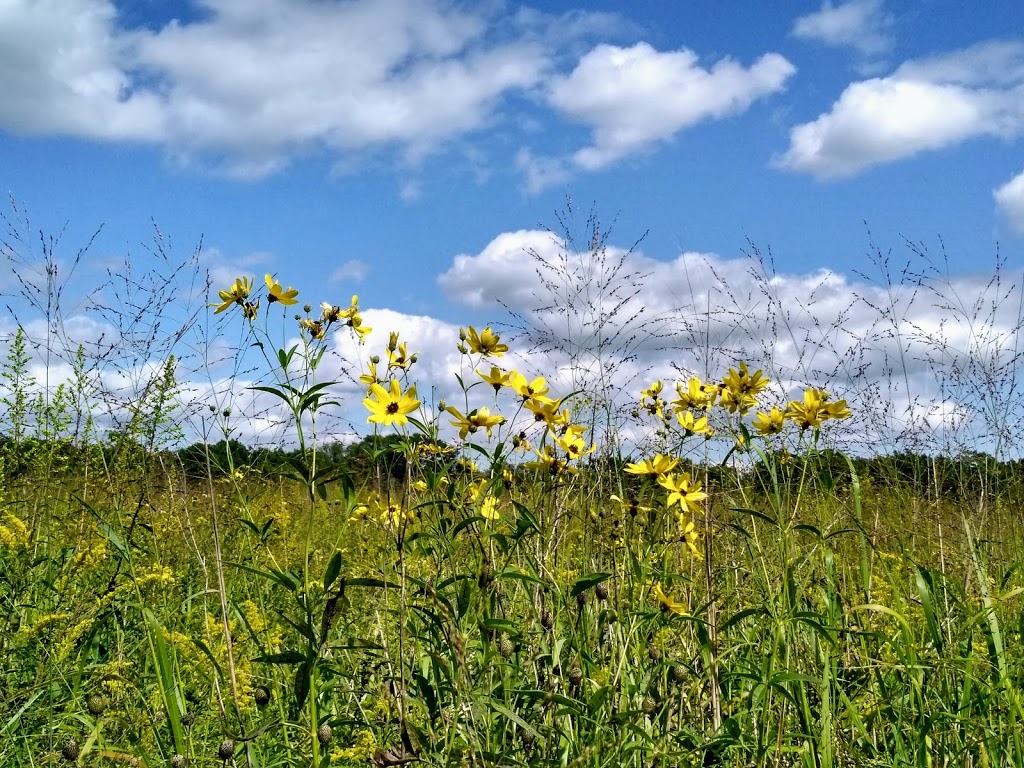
553,565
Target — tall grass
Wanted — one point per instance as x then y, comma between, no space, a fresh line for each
544,604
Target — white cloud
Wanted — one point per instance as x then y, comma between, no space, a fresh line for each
859,24
634,98
925,104
1010,199
352,270
257,83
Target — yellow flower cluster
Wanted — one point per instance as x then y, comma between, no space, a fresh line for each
13,532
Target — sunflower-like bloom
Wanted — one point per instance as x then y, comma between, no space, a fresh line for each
544,409
689,534
485,343
276,293
650,399
479,418
668,605
236,294
550,463
390,406
574,445
527,389
496,378
740,389
691,425
656,465
315,327
489,508
682,489
697,394
399,357
355,322
770,423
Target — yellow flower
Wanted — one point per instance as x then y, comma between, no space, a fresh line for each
390,406
740,389
276,293
698,394
811,412
668,605
370,377
399,358
689,534
495,378
657,465
236,294
544,409
770,423
486,343
682,489
691,425
355,322
650,399
476,419
574,445
489,508
536,388
550,463
838,410
315,327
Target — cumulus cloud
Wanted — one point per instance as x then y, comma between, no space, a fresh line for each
636,97
925,104
1010,199
257,83
859,24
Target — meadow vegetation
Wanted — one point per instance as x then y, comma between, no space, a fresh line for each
521,576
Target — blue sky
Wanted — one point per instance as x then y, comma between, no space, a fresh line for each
410,150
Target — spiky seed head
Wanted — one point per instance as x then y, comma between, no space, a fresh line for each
324,734
505,647
649,705
188,718
601,590
547,620
575,675
654,652
679,673
581,599
527,737
261,696
178,761
70,750
97,705
226,750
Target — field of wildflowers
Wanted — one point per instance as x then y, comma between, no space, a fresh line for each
499,584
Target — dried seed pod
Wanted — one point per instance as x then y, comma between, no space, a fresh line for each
178,761
97,705
547,620
678,673
505,647
527,737
654,652
226,750
575,675
650,706
261,696
70,750
324,734
601,590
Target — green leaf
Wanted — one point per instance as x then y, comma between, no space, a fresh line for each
583,583
333,570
